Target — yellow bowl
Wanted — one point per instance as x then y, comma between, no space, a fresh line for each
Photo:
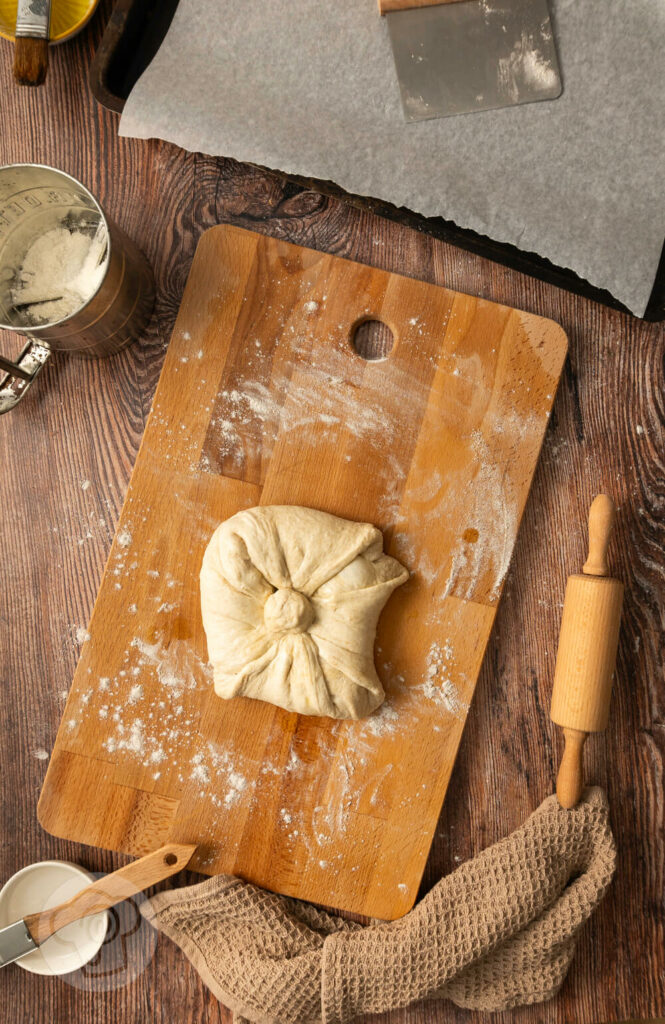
67,17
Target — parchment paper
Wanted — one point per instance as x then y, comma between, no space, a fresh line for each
310,88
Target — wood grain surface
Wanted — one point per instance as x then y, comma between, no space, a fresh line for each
67,455
263,400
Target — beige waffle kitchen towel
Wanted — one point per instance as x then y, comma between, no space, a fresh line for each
498,932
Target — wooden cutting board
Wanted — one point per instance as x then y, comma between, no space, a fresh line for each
263,400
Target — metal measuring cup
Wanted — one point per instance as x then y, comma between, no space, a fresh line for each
34,199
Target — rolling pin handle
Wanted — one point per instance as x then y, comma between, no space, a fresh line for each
601,521
570,780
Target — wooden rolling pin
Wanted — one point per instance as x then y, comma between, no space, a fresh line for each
587,652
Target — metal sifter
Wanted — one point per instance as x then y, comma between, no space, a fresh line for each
34,201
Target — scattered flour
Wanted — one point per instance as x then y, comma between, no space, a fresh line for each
251,412
176,669
383,722
199,772
40,754
294,762
237,783
438,686
136,740
124,538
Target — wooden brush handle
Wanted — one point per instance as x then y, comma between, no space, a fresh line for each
111,889
386,6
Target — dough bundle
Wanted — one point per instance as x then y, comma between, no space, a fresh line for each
290,599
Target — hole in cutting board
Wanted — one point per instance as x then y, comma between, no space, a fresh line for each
372,339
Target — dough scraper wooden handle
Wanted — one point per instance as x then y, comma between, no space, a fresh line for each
587,652
386,6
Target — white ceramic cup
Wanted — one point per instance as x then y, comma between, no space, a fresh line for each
40,887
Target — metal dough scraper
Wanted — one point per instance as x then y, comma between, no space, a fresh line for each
457,56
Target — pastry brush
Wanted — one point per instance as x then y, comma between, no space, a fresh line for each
27,934
31,41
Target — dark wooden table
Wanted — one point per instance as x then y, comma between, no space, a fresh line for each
84,421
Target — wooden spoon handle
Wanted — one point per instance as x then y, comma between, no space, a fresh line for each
570,780
111,889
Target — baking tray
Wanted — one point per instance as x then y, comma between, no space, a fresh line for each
132,37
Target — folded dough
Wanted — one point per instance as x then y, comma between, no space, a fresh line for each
290,599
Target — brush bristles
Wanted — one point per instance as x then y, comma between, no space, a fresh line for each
30,60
